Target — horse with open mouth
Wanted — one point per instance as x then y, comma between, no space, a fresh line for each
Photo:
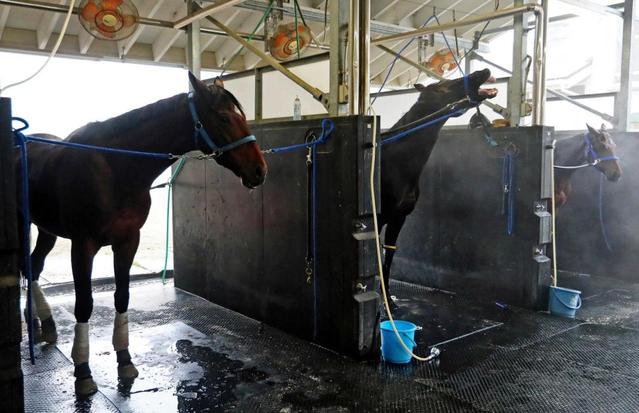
403,161
98,198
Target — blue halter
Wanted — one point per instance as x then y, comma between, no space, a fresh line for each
467,90
591,153
200,133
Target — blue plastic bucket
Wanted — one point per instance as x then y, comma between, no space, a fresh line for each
392,349
564,301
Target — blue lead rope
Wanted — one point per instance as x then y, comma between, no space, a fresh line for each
327,128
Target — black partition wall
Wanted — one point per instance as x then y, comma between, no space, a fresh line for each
456,239
249,250
11,382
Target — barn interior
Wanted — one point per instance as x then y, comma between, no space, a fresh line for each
271,299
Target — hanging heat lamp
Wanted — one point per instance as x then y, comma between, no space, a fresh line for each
286,40
286,43
442,62
109,19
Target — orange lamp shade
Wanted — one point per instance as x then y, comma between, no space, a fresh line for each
89,11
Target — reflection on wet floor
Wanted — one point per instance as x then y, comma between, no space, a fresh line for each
194,356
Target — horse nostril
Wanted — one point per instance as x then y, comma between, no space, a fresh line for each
260,172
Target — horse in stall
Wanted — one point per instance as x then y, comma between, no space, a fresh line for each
98,199
402,162
593,148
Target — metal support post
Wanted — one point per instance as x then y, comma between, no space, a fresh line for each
339,11
364,55
193,54
516,85
353,77
629,64
258,94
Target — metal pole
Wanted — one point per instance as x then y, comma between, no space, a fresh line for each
539,70
364,55
258,94
629,64
516,84
339,11
353,58
193,53
315,92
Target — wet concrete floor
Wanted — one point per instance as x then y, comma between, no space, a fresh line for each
194,356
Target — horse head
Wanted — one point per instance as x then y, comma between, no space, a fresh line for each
222,116
437,95
600,150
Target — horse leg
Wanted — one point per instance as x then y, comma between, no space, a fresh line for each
123,254
393,229
82,254
44,245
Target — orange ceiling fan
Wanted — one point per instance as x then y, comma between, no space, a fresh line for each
109,19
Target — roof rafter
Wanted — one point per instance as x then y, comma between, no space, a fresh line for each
46,26
148,9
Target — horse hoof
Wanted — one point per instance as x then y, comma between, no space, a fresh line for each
85,387
127,371
49,332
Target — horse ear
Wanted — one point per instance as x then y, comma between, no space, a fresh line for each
603,126
198,86
419,86
592,130
219,82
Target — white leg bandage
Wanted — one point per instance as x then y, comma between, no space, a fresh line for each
80,350
42,306
121,331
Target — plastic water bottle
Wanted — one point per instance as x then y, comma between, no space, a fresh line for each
297,109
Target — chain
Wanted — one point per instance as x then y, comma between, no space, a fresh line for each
199,157
309,270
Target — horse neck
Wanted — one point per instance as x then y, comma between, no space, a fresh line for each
569,152
162,127
413,151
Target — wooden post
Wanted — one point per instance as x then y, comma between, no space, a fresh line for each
11,384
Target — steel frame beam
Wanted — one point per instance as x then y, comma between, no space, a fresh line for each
629,63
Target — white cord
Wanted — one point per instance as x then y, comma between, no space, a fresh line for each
53,51
377,243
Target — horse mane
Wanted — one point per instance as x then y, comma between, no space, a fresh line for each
120,124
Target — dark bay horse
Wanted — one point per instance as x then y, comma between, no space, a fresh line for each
594,148
403,161
98,199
